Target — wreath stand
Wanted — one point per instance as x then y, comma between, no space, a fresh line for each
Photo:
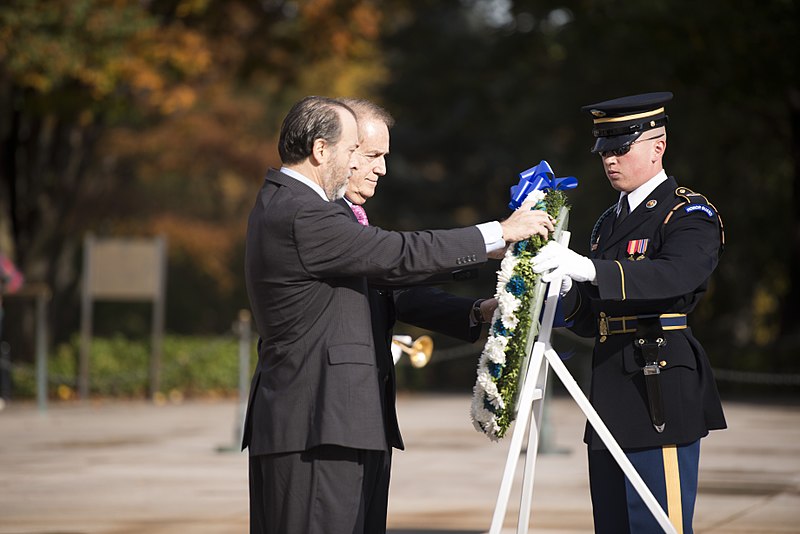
541,356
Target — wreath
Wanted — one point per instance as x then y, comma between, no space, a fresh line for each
520,293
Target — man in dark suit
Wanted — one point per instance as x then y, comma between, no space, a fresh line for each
315,425
422,306
650,261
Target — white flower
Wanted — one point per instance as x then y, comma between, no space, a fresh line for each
497,400
475,422
484,421
507,303
500,288
536,196
485,381
510,320
495,315
495,349
507,268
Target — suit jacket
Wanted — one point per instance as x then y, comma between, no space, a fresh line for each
681,252
306,268
422,306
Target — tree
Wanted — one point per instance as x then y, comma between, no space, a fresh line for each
135,118
68,71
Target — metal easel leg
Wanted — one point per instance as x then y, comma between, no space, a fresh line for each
532,452
532,390
530,393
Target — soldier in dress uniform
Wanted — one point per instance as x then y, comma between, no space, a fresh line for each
651,256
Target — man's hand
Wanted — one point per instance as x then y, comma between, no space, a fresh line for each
487,309
526,222
563,262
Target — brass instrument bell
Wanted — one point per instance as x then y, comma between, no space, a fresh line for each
419,352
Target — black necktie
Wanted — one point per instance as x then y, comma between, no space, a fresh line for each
624,209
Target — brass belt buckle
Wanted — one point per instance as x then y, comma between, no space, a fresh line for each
603,325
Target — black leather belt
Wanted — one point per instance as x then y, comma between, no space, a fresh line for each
609,326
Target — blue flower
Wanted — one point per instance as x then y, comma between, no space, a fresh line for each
516,286
495,369
520,246
499,329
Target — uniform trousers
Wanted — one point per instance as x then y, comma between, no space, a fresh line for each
324,490
671,474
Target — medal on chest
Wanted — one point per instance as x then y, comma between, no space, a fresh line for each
636,249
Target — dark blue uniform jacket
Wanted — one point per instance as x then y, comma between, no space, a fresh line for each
657,261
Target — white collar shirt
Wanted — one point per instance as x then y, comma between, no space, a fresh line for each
638,195
301,178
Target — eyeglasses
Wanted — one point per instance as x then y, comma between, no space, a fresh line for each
624,149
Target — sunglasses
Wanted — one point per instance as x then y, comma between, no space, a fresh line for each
624,149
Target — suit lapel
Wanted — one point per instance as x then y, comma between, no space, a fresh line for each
638,217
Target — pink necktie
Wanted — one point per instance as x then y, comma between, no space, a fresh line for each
361,215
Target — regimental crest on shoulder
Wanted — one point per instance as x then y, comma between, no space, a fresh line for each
699,207
637,249
692,202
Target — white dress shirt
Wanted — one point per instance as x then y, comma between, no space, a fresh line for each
638,195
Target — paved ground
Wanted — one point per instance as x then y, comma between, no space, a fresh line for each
125,468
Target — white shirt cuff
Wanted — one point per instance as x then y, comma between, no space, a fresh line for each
492,236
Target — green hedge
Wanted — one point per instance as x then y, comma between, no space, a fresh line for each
118,367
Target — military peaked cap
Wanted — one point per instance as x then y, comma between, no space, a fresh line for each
621,121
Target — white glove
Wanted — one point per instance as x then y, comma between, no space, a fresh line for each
563,262
566,285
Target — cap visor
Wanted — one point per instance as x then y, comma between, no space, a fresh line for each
604,144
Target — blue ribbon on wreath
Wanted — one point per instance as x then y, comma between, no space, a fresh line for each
540,177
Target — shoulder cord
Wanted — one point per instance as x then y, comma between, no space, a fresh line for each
596,229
